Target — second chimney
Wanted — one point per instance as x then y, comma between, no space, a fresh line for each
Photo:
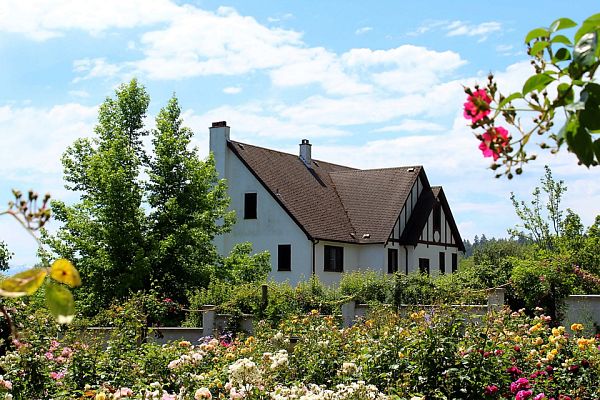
305,152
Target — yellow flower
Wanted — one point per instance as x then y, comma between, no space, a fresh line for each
577,327
538,341
535,328
100,396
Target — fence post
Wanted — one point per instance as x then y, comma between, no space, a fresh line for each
348,313
495,299
264,301
208,320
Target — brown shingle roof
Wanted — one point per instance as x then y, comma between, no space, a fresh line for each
374,198
329,201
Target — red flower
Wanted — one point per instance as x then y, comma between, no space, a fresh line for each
491,390
477,105
494,141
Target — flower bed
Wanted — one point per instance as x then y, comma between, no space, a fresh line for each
435,355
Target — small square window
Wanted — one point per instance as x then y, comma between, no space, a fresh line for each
334,259
250,206
284,257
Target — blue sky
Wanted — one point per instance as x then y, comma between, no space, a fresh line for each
375,85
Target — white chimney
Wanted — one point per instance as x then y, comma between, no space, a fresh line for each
219,136
305,153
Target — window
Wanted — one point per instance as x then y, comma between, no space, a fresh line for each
250,206
424,265
442,262
454,262
284,257
392,261
334,259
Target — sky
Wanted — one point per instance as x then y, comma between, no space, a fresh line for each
371,85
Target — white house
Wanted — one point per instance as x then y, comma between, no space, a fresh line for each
318,218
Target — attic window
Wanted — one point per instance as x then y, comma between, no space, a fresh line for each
249,205
367,236
411,169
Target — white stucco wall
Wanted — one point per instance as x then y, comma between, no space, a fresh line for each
356,257
272,227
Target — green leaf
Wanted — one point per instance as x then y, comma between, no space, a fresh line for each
565,95
584,52
562,23
589,25
60,302
537,82
536,33
23,283
561,54
537,47
589,118
579,140
561,39
64,272
510,98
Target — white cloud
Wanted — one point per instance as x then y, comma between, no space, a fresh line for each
95,68
39,136
194,42
232,90
461,28
43,20
363,30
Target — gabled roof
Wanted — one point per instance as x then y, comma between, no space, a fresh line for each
332,202
418,219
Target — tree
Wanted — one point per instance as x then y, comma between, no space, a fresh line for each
103,233
187,200
542,223
570,67
126,234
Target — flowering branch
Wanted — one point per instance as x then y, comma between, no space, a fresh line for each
562,65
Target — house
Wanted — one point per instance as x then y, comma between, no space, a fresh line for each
319,218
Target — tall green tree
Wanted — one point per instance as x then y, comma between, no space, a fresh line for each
104,233
189,208
126,233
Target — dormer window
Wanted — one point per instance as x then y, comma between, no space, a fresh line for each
249,205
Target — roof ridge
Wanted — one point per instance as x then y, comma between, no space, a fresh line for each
378,169
294,155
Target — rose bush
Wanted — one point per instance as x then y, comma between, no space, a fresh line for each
433,353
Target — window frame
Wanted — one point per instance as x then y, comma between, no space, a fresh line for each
333,255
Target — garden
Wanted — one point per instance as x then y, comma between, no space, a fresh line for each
137,254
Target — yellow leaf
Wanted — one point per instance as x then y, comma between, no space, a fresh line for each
23,283
64,272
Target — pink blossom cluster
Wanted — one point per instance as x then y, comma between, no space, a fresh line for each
494,140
